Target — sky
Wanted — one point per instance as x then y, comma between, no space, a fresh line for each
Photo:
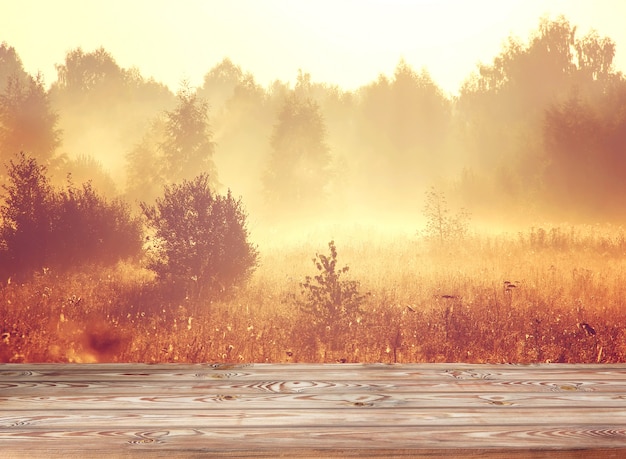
343,42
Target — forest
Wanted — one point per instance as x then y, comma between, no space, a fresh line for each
232,222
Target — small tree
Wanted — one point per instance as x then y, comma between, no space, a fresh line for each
200,238
440,225
331,302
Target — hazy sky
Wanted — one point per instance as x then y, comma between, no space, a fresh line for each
344,42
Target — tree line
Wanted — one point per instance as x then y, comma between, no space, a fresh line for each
538,131
541,128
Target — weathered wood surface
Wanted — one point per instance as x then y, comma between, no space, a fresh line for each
120,410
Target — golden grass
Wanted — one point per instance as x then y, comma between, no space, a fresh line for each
427,304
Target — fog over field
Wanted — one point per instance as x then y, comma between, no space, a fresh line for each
300,220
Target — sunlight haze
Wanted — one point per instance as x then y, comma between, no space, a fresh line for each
348,43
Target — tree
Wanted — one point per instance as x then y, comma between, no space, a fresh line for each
403,132
10,66
200,238
27,218
177,146
298,174
92,92
144,174
27,123
332,303
187,147
220,83
88,72
327,297
86,168
501,111
440,225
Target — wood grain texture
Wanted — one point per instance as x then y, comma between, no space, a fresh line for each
349,410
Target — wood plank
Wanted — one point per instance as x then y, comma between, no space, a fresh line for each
226,386
182,401
325,437
301,453
294,410
76,419
334,372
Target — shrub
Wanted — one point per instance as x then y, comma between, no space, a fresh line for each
93,229
331,302
440,225
200,238
44,228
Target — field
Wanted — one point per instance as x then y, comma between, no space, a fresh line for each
537,295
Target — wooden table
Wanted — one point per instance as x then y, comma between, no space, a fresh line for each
343,410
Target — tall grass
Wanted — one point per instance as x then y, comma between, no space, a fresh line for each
521,297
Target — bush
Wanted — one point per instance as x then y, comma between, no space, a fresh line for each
200,239
44,228
92,229
333,303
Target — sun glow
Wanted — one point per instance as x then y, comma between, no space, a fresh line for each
348,43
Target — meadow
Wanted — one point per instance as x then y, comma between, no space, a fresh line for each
543,294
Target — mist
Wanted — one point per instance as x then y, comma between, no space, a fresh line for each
535,135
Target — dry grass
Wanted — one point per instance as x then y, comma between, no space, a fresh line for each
505,298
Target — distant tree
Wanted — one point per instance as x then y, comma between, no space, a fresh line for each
584,144
144,172
501,109
89,73
298,173
441,226
220,83
104,109
403,127
86,168
10,66
27,122
200,238
187,147
240,159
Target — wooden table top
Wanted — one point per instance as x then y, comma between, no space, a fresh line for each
342,410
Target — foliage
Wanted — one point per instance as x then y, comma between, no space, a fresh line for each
10,65
177,146
332,302
144,177
298,173
90,228
87,168
440,225
200,238
27,218
43,228
27,122
187,147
